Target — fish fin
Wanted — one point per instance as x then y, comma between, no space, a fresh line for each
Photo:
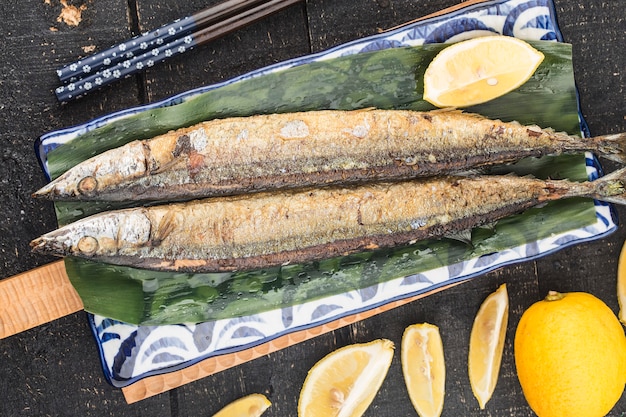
490,226
464,236
167,224
174,164
474,172
612,147
454,110
612,187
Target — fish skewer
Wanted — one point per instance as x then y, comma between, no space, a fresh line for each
283,151
268,229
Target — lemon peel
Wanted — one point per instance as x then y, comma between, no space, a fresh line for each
252,405
487,344
621,284
570,355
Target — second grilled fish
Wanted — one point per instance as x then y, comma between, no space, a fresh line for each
279,151
268,229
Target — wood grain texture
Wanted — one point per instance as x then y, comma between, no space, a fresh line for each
268,41
36,297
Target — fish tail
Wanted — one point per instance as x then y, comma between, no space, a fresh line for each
612,147
611,188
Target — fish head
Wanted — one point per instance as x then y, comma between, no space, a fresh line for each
100,235
103,171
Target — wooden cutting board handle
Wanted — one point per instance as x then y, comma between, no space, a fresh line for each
36,297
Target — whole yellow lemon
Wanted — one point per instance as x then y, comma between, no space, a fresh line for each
570,354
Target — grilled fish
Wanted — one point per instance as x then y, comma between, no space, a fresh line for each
273,228
283,151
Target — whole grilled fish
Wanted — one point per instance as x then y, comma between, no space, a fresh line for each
281,151
268,229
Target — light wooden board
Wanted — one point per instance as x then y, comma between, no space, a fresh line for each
36,297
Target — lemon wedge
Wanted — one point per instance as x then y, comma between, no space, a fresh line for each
621,284
252,405
345,382
487,343
478,70
424,368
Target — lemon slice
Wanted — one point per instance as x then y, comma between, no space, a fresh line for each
621,284
344,382
424,368
479,70
252,405
487,343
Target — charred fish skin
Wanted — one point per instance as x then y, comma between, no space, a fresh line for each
270,229
307,149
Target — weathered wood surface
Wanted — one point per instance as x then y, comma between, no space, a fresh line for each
54,369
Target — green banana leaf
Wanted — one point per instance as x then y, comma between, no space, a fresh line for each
391,78
387,79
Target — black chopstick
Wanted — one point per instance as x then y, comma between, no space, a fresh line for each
147,41
233,17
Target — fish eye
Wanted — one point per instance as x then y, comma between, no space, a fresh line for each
87,185
87,245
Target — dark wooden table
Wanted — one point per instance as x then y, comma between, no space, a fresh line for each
54,369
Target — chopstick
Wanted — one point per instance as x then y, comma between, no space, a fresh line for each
147,41
231,15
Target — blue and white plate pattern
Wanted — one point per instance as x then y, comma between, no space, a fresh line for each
130,352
